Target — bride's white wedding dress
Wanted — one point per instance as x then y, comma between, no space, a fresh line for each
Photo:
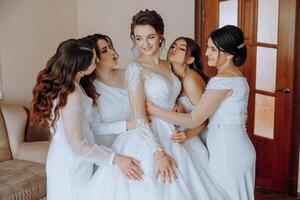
194,181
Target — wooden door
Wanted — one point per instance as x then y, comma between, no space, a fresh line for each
269,28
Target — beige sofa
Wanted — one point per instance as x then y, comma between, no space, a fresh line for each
22,164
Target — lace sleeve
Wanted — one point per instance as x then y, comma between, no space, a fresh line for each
134,78
72,118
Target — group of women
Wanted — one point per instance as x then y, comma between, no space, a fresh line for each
134,133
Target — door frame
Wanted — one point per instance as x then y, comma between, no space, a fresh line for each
294,62
294,173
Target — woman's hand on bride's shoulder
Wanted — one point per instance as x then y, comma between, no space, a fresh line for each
129,167
165,167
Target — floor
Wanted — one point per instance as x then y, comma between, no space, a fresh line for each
265,195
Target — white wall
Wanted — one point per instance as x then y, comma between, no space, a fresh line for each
30,31
113,17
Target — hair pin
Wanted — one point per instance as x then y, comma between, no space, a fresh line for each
241,46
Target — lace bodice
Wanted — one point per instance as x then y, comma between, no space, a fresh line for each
233,109
162,91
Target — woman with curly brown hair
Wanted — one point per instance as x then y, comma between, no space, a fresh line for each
60,102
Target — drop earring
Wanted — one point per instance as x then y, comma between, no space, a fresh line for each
228,61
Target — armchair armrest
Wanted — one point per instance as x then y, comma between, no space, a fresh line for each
15,118
32,151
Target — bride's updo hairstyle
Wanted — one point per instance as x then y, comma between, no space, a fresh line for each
231,39
151,18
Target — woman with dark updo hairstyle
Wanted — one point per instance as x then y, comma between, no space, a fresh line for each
231,153
183,167
60,103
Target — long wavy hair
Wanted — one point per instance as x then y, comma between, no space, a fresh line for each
57,80
193,50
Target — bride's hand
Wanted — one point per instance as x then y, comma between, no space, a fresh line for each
165,167
129,167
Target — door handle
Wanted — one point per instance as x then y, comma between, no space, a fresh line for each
284,90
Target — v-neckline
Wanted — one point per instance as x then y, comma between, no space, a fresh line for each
168,79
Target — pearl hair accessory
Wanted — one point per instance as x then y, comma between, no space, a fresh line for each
241,46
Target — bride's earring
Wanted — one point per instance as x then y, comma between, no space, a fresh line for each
228,63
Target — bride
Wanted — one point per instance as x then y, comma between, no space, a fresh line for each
171,171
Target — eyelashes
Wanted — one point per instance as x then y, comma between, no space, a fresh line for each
105,49
173,47
151,37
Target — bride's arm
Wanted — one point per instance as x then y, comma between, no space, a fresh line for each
135,81
136,93
203,109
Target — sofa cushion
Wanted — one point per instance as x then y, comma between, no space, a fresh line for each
22,180
5,153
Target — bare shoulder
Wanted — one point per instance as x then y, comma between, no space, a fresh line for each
194,80
193,86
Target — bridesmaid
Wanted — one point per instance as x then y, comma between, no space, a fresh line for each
224,102
60,103
113,107
184,56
